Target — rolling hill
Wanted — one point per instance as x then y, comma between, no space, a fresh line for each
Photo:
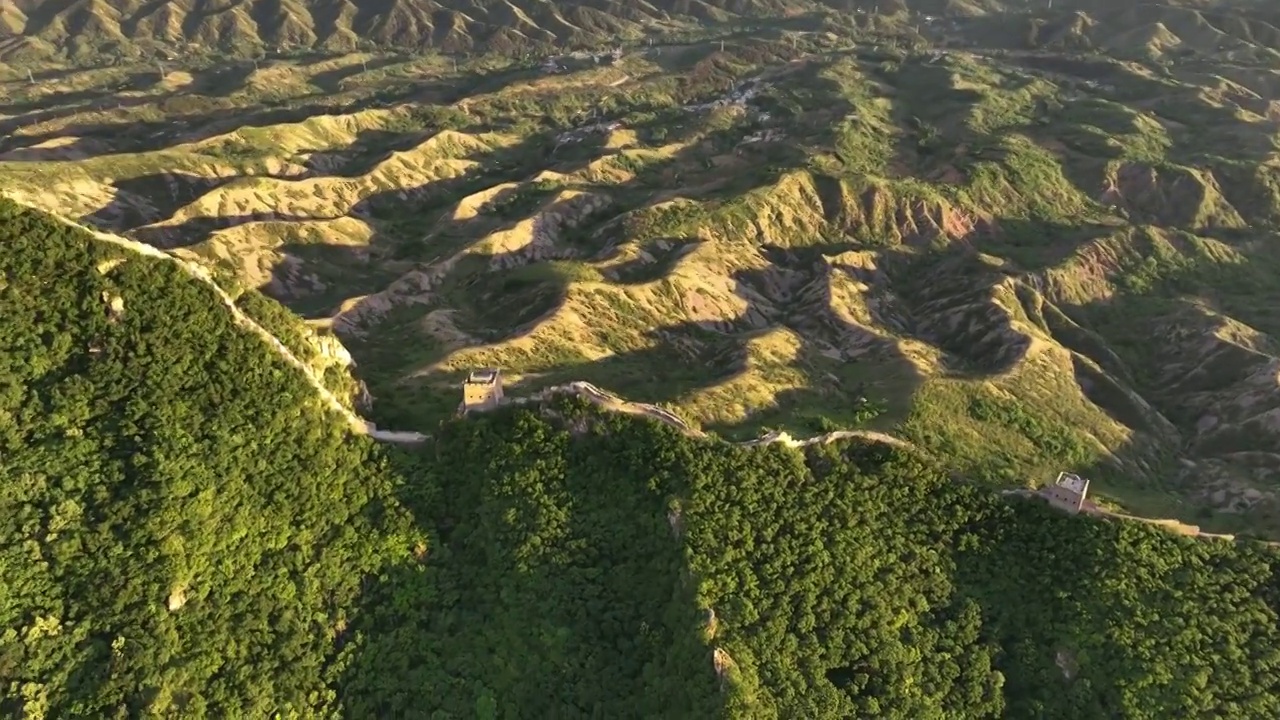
86,28
1027,240
1014,238
190,530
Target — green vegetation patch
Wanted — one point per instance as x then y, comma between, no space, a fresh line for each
183,530
279,321
851,581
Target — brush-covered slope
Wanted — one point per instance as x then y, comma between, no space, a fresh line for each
1022,252
186,533
845,581
184,529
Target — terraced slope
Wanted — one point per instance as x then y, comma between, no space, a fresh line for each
1026,241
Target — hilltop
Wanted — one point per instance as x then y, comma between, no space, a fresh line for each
190,529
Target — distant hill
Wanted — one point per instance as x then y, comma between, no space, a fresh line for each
89,28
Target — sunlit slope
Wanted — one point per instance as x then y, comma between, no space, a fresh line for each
172,489
1024,257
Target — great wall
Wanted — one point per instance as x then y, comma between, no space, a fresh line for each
585,390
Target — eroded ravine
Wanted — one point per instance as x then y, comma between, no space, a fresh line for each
595,395
360,425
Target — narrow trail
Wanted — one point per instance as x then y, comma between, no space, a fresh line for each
610,401
592,393
1170,524
1179,527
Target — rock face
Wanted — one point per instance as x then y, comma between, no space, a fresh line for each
330,352
115,305
722,662
177,598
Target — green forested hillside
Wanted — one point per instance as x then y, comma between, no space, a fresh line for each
165,455
855,581
184,533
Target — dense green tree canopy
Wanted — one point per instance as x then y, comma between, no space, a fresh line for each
184,532
158,455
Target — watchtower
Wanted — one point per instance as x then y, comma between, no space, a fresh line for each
482,390
1068,492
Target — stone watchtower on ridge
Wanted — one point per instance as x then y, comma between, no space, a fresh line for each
1068,492
482,390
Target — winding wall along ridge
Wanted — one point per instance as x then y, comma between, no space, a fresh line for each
362,426
592,393
357,423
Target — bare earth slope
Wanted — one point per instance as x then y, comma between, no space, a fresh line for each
1025,240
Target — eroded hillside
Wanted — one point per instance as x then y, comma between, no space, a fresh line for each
189,529
1026,241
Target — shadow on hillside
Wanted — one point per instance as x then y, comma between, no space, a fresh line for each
205,91
150,198
331,81
1172,465
839,366
659,258
83,133
541,593
222,80
398,214
49,103
1201,134
191,116
569,154
134,136
930,114
498,298
965,307
369,148
842,368
1061,582
1076,576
